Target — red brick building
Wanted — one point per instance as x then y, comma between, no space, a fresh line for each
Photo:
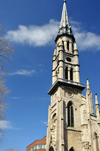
39,145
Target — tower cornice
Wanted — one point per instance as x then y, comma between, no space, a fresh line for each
70,35
65,82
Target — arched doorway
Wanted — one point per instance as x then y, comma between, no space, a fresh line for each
51,149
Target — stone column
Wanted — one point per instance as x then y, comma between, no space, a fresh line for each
70,47
77,63
62,126
56,129
77,74
97,106
99,135
54,77
61,64
65,46
54,64
59,127
74,75
48,129
68,73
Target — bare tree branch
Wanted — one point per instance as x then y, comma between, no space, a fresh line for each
5,55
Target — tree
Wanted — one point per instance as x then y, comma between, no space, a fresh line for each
5,55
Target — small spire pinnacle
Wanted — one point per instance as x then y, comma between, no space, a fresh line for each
88,85
96,99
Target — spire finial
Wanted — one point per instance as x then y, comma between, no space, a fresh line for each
64,1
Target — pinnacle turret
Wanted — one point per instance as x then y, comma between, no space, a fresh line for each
88,85
97,107
96,99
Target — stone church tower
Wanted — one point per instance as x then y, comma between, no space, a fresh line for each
72,122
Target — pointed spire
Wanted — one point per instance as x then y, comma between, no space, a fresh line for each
96,99
88,85
64,18
64,28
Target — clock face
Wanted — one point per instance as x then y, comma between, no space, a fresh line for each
68,59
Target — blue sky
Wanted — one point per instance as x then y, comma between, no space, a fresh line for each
31,27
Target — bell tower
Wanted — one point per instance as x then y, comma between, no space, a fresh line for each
70,113
65,58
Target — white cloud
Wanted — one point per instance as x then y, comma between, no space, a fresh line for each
16,98
23,72
41,70
5,125
34,35
44,35
40,65
44,122
85,40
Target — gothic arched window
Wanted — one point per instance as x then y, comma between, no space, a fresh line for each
72,49
71,74
71,149
51,149
63,44
68,45
54,117
70,114
66,73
